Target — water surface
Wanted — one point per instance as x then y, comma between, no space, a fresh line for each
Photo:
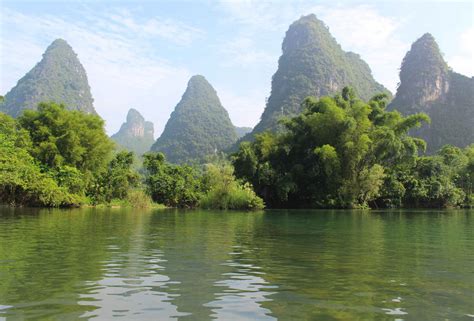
203,265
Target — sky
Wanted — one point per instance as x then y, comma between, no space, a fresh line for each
141,54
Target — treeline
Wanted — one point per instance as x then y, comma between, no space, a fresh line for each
55,157
341,152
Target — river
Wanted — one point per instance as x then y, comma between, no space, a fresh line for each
290,265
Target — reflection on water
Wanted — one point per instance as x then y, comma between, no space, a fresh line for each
202,265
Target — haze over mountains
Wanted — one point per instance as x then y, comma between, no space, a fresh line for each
135,134
312,64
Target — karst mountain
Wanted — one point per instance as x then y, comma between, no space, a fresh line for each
58,77
198,127
428,85
313,64
135,134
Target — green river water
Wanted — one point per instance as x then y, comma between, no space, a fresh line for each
129,264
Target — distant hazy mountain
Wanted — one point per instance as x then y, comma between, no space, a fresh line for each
428,85
199,126
241,131
313,64
58,77
135,134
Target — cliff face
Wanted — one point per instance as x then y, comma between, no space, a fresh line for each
58,77
428,85
313,64
135,134
199,126
424,76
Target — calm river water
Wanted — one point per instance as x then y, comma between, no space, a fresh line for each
203,265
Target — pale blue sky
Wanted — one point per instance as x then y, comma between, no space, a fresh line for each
141,54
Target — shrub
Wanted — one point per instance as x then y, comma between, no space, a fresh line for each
225,192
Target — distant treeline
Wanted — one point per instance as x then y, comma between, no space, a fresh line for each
340,152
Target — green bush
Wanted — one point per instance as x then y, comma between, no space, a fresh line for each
169,184
225,192
139,199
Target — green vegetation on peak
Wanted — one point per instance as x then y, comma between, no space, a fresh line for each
58,77
428,85
242,131
135,134
313,64
198,127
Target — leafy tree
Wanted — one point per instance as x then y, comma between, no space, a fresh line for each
67,138
21,180
169,184
332,155
117,180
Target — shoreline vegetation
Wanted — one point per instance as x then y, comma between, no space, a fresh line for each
340,152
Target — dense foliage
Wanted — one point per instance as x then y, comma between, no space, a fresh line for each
428,85
117,180
22,180
56,157
170,184
313,64
199,125
185,186
135,134
67,138
343,152
58,77
224,191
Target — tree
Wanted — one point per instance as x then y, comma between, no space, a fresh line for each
334,154
171,185
67,138
118,179
22,181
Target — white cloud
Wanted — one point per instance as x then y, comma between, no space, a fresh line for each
243,52
121,71
463,62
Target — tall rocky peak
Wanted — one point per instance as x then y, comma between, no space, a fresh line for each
199,126
135,134
424,75
313,64
428,85
58,77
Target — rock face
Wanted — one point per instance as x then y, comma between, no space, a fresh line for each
313,64
58,77
199,126
428,85
135,134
